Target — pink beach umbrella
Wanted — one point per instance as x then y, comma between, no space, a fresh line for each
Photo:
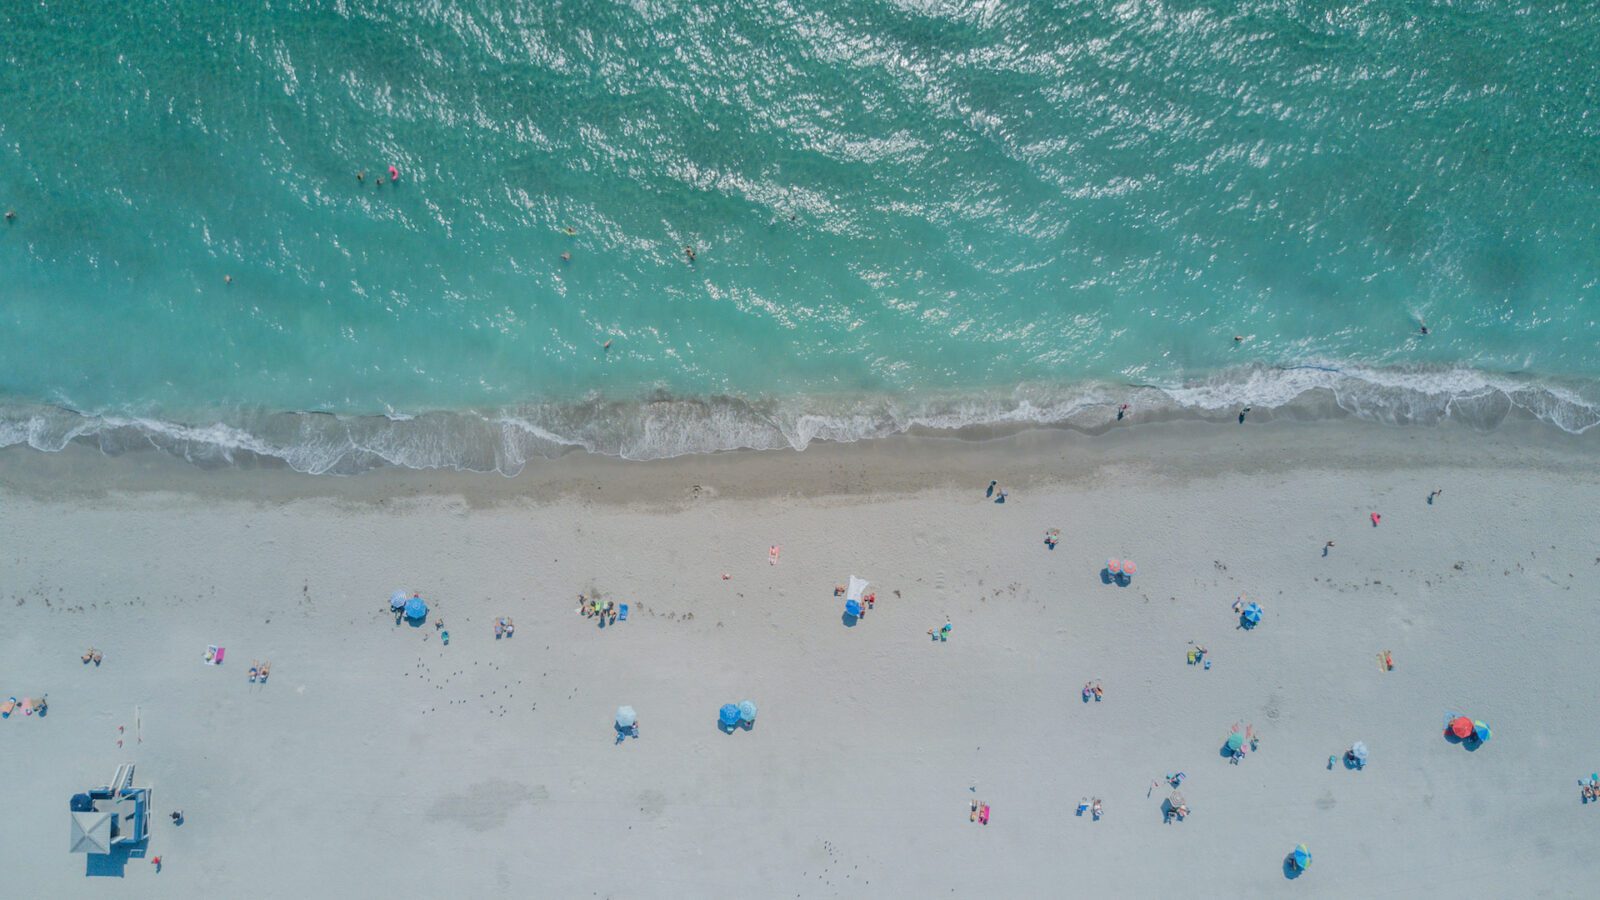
1129,569
1114,566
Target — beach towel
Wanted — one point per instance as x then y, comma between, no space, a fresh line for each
858,586
7,707
622,613
27,706
215,654
983,814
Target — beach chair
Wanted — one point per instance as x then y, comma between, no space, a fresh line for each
622,613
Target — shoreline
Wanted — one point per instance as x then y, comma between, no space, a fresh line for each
898,464
658,425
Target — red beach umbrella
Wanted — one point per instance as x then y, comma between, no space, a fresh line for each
1129,569
1461,726
1114,565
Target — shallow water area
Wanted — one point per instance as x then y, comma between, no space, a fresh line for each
903,216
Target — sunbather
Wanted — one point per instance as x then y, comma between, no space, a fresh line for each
1099,692
1096,810
266,669
509,627
88,655
255,668
499,628
97,657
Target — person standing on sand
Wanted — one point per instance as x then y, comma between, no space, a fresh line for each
1326,547
990,491
1242,414
1436,492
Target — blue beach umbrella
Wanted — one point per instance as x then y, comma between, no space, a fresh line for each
1252,614
852,608
1235,741
1480,731
747,711
397,600
729,715
1302,856
626,717
415,608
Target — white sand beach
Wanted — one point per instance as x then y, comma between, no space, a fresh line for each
377,761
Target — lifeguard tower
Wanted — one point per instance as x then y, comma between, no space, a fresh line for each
116,816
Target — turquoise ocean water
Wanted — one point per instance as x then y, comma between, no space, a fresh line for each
904,213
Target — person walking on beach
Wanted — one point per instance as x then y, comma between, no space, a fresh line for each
1122,411
1326,547
1436,493
990,491
1242,414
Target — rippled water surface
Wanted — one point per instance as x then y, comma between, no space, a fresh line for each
902,212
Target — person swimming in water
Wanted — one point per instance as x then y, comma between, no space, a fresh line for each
689,252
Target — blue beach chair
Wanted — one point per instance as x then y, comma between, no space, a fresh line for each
622,613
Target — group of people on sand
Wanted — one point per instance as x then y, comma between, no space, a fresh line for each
1093,689
260,670
91,655
29,706
503,627
1591,788
1093,808
590,609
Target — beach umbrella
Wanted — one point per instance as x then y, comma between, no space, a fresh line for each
1480,731
852,608
397,600
1235,741
747,711
1302,856
1252,613
1461,726
729,715
415,608
626,717
1129,569
1114,566
1358,751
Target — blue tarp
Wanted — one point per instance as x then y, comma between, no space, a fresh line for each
747,711
415,608
729,715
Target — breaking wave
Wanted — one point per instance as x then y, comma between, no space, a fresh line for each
661,426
